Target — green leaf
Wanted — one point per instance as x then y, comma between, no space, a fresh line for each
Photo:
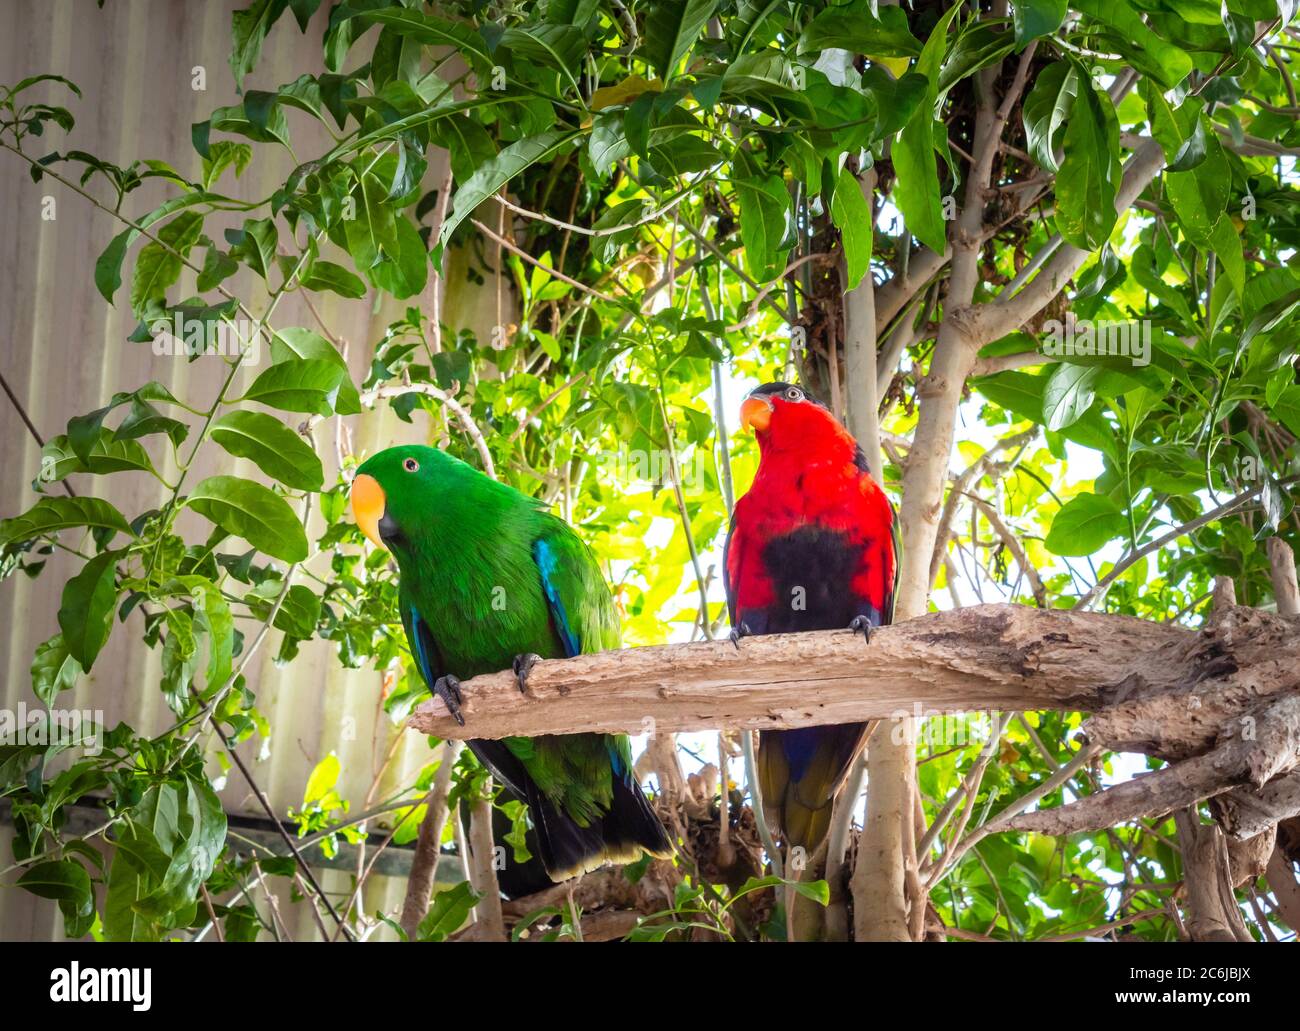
108,266
468,144
300,612
126,885
298,385
53,670
214,613
86,613
62,879
861,27
764,218
258,244
1018,392
218,266
295,342
1034,18
430,30
265,124
974,47
447,912
276,449
225,154
500,170
561,47
50,515
817,891
248,28
852,215
158,265
1278,383
403,270
1287,409
178,659
322,780
1225,242
1090,171
671,29
1192,151
1068,394
253,512
107,455
1085,525
1200,197
608,144
325,275
1046,109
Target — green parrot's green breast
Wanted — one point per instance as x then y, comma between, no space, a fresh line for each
484,607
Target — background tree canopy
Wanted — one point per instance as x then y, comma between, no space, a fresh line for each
1038,255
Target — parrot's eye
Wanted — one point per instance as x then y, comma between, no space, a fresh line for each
411,465
794,394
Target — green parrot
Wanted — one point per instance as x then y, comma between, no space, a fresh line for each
489,579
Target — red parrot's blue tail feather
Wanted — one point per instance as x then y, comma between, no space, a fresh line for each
800,772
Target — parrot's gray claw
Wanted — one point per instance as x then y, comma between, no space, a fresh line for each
523,665
737,632
448,689
861,625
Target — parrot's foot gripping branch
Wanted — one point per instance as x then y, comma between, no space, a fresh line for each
862,625
448,689
737,632
523,665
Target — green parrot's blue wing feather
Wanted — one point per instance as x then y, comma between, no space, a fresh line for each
548,565
423,645
495,754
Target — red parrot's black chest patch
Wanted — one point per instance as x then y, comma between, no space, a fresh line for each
810,570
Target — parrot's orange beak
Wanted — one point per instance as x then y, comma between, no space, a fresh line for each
756,413
368,504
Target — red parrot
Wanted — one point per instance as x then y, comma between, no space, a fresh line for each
813,546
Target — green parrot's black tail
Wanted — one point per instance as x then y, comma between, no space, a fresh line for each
629,828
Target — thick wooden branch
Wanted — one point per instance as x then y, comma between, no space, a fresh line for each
980,658
1251,752
1247,812
986,657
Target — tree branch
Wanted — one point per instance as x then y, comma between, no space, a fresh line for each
981,658
997,319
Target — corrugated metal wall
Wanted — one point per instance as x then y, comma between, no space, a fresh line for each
64,352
